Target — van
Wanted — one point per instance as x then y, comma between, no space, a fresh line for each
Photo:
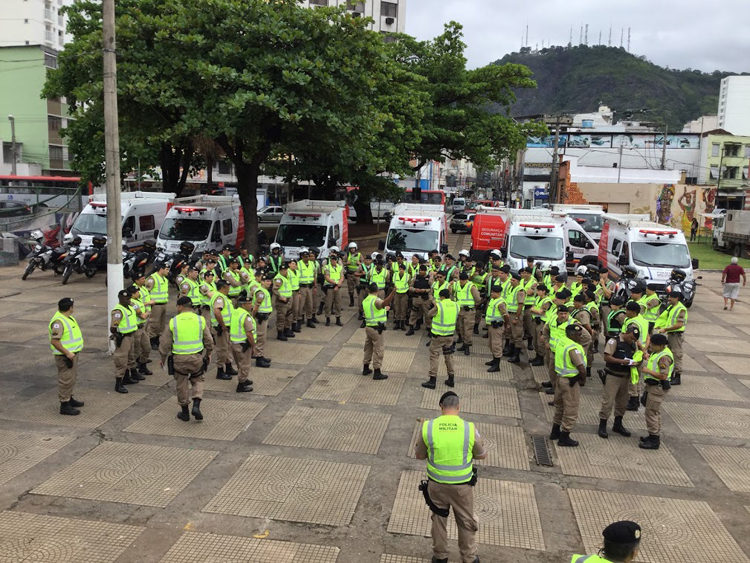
537,234
416,228
459,205
207,221
142,216
590,217
654,250
313,224
488,231
580,248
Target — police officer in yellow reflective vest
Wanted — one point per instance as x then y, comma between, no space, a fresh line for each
66,341
262,311
672,322
657,376
140,339
400,281
221,317
450,445
158,288
633,317
375,310
186,338
191,288
468,299
242,336
444,317
621,542
122,330
570,366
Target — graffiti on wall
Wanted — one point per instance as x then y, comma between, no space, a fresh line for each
677,205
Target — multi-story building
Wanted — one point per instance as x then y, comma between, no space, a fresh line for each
389,15
35,22
734,105
724,160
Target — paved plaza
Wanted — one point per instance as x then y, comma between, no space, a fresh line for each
317,464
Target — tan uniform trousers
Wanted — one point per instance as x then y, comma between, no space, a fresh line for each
634,389
567,401
461,499
206,314
261,330
188,386
283,314
374,347
351,283
242,359
333,302
465,325
419,309
66,377
296,304
141,345
124,356
400,303
158,320
528,323
615,395
305,303
222,347
539,347
516,331
363,293
549,358
495,341
675,341
653,408
438,345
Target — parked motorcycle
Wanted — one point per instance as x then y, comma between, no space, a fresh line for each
179,259
85,260
44,256
677,280
628,280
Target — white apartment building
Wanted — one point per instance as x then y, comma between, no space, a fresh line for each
32,22
734,105
389,15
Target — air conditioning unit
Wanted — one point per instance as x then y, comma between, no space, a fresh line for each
389,21
356,15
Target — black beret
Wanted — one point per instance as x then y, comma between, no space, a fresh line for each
653,286
617,301
450,256
515,276
560,278
579,298
495,267
543,287
659,339
444,294
184,301
573,328
622,533
505,269
123,293
633,306
137,274
637,289
634,330
563,309
220,284
463,276
209,273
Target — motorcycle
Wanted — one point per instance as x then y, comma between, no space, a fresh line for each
44,257
85,260
624,286
677,280
179,259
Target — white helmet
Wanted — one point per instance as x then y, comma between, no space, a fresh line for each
275,245
334,249
495,253
463,253
352,245
581,270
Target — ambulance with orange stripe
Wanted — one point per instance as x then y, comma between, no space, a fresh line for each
416,228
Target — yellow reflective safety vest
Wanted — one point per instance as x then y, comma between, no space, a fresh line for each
237,332
194,293
436,289
266,307
352,261
71,339
589,559
129,321
539,304
669,317
642,327
160,291
145,296
373,315
511,301
187,333
375,277
139,308
564,367
444,323
226,311
557,332
494,311
463,295
653,363
294,279
206,299
650,314
235,291
286,285
450,446
306,272
401,282
528,288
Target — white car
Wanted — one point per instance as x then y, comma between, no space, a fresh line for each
270,214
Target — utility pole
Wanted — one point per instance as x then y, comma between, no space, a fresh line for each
664,149
609,43
553,182
112,157
12,144
619,165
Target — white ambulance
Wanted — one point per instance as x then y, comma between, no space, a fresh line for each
207,221
142,216
416,228
590,217
535,233
311,223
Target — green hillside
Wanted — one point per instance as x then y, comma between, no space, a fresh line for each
578,79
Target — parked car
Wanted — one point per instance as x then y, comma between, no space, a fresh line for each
462,222
270,214
15,209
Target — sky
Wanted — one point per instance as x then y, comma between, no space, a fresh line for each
697,34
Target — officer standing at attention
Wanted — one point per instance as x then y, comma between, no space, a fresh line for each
444,317
420,303
494,319
226,255
529,283
363,279
186,337
401,285
514,304
276,258
221,308
657,376
450,445
307,286
66,341
621,542
468,299
353,260
262,311
158,288
672,322
334,276
375,317
141,346
207,289
542,303
122,330
282,292
618,355
190,287
233,277
651,305
570,366
293,273
242,336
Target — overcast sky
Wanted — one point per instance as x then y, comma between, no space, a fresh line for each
698,34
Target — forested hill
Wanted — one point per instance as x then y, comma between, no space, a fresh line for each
578,79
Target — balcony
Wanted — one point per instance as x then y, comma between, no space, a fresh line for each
49,37
48,14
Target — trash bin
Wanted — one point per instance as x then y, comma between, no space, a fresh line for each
8,250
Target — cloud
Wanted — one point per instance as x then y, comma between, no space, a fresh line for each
675,33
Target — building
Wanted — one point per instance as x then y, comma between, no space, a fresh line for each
702,124
725,159
734,105
389,15
36,22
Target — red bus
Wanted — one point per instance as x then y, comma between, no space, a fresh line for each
431,197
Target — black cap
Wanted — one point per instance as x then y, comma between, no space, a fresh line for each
543,287
633,306
444,396
622,533
209,273
590,295
227,247
637,289
444,294
268,276
184,301
579,298
505,269
244,298
563,309
515,276
574,328
617,301
560,278
463,276
65,304
194,269
659,339
132,290
653,286
285,266
495,288
137,274
440,273
449,256
210,261
233,261
123,293
634,330
220,284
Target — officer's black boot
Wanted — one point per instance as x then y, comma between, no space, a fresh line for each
650,443
538,361
566,441
289,333
338,322
379,375
184,414
428,342
197,409
67,408
261,363
495,366
619,428
508,348
119,387
296,327
603,429
549,390
436,560
555,434
360,316
366,369
320,309
410,332
363,324
602,375
155,343
328,321
310,324
266,360
351,301
127,380
143,368
633,404
74,403
229,370
490,363
676,379
135,376
280,335
547,384
588,373
515,357
419,325
461,348
530,343
430,383
244,386
476,328
220,374
451,381
315,319
467,349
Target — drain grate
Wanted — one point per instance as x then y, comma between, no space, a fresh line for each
541,451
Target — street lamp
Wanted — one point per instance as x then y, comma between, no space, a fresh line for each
12,144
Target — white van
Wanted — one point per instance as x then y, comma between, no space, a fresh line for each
416,228
652,249
580,248
459,205
590,217
313,224
142,216
207,221
534,233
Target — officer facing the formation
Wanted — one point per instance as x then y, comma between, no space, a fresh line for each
468,299
618,355
221,308
444,317
282,292
157,285
334,279
400,281
450,444
186,338
375,317
242,337
570,366
621,542
420,294
494,319
66,341
122,330
672,322
657,376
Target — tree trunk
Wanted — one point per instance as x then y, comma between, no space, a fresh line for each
247,189
169,161
209,174
184,161
364,212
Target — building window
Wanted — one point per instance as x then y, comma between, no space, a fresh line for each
388,37
8,152
318,2
388,10
54,123
50,61
731,173
225,167
55,153
744,173
731,150
714,172
356,7
715,149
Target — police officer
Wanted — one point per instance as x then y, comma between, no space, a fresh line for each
233,277
262,311
224,258
282,292
207,289
362,276
66,341
190,288
334,279
401,285
140,339
122,330
444,316
539,309
672,322
450,269
143,351
621,542
515,298
221,308
450,445
293,273
657,376
158,288
651,306
554,330
375,317
186,338
275,259
581,315
242,336
615,317
618,355
529,283
353,260
633,317
307,286
494,319
468,299
570,367
420,304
